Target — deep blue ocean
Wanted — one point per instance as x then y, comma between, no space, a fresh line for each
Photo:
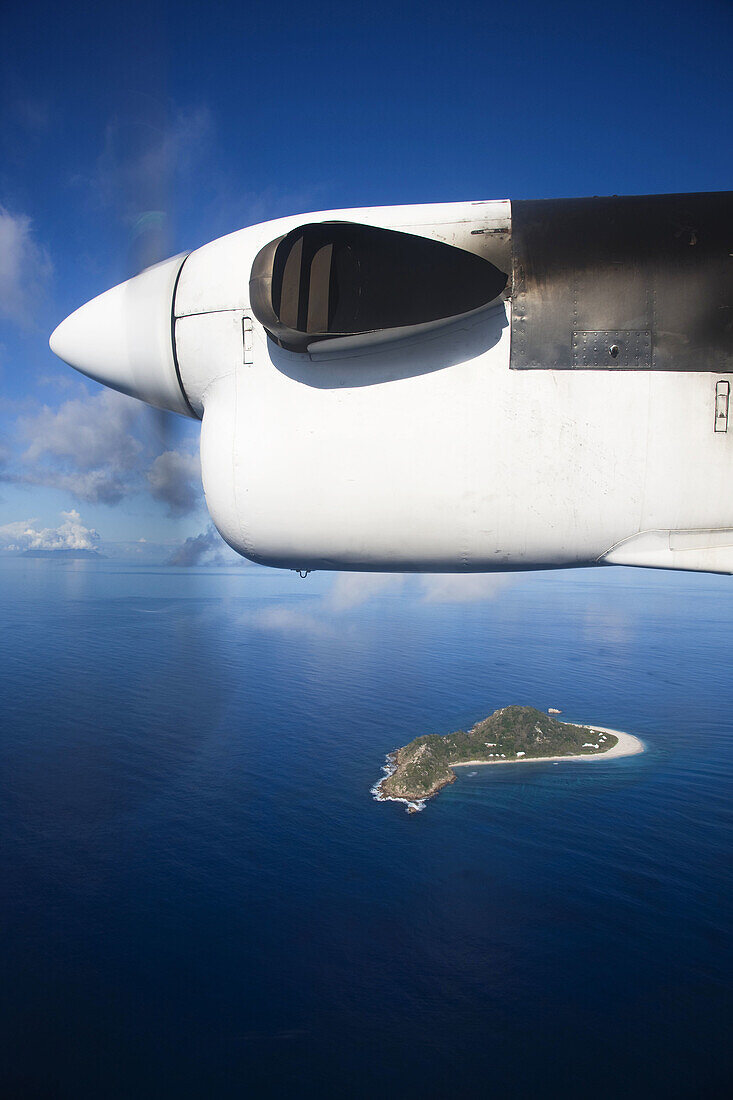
200,898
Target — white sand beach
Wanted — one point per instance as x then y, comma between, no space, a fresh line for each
627,745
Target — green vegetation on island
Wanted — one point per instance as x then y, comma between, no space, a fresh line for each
420,769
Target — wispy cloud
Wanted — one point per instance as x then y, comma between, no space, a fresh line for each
25,121
287,619
327,615
351,590
32,115
463,587
25,269
159,167
332,613
71,534
93,487
149,156
144,152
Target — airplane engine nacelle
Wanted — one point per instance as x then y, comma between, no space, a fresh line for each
463,387
321,441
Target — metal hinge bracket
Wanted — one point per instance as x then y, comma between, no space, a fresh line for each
722,400
248,340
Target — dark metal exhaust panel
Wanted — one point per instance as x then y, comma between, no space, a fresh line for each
629,283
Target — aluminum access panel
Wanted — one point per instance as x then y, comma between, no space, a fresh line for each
630,283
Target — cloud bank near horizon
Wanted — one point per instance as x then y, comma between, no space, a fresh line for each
71,534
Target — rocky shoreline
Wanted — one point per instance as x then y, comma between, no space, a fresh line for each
390,767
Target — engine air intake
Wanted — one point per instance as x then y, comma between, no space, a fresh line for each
337,279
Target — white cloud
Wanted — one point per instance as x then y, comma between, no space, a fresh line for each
207,548
175,480
88,446
25,268
71,534
91,432
102,449
94,487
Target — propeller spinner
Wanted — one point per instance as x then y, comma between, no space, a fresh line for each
124,338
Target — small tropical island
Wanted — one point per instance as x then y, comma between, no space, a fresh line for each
510,735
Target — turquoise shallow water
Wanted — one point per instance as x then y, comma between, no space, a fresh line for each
200,897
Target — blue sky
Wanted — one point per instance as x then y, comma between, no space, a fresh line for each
222,114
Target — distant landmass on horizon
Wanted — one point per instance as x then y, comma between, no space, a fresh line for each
66,554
